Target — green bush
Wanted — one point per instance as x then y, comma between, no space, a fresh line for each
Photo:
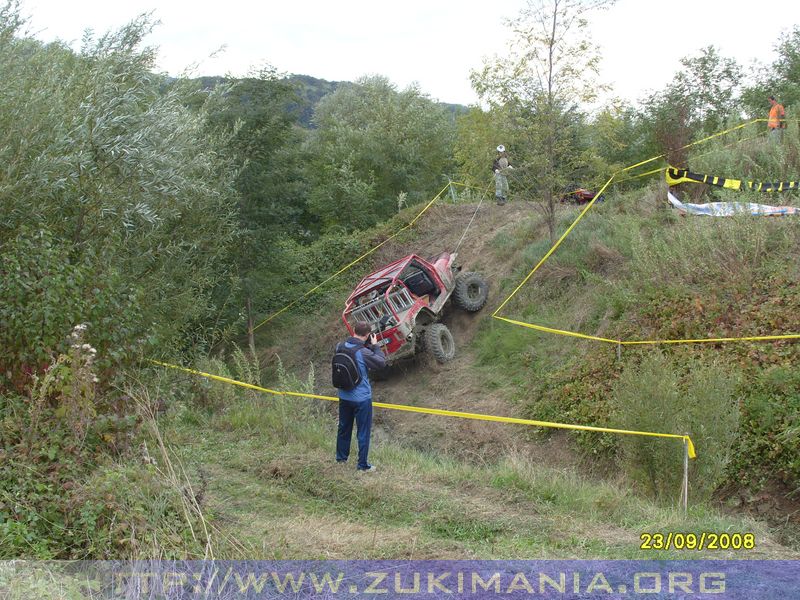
44,293
664,394
135,199
295,268
49,442
771,414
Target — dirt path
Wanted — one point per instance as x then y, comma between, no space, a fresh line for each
457,385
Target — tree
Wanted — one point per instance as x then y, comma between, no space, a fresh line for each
616,135
264,140
124,187
550,67
371,143
708,83
479,133
255,116
780,79
703,94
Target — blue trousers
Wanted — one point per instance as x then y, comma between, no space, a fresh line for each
361,413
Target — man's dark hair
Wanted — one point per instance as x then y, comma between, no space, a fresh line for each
361,328
771,98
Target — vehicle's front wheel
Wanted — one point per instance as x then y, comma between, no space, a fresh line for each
471,291
439,342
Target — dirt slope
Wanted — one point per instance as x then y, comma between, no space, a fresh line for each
456,385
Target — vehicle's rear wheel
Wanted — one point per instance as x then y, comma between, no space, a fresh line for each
471,291
439,342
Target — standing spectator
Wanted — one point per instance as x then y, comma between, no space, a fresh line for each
777,120
499,167
356,404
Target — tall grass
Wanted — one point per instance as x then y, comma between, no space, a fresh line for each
751,154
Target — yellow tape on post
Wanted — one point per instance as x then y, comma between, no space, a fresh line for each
437,411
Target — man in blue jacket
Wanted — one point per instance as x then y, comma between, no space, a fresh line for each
356,404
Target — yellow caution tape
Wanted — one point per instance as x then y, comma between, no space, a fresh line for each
436,411
557,331
675,176
654,171
567,333
702,141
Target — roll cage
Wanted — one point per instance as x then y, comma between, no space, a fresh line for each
386,295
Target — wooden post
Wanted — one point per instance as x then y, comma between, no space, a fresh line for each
685,493
250,337
452,190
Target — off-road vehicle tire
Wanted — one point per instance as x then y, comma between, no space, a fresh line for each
439,342
471,291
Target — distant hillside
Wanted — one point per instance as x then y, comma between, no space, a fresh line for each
310,90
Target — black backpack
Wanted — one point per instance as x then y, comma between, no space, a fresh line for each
345,373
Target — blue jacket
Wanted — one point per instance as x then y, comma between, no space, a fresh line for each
366,358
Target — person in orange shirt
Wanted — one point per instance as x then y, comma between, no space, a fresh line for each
777,120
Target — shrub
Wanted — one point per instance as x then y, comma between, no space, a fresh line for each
771,411
135,200
50,441
44,293
667,395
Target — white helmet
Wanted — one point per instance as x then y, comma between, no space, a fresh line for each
501,148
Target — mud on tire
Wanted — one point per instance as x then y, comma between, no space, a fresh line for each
439,342
471,291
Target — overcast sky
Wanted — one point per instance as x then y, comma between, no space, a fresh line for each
432,42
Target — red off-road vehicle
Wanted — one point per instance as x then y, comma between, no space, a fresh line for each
576,194
404,301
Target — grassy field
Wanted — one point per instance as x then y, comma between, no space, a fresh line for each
272,490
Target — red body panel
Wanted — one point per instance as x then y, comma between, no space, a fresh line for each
388,277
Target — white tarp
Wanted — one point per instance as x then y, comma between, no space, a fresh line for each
727,209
